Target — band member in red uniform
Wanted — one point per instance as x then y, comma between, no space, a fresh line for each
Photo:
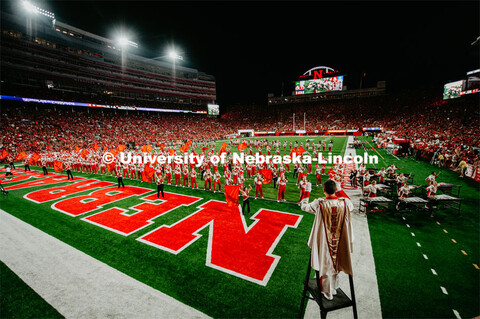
168,173
431,178
133,171
431,196
282,182
300,173
185,175
216,181
208,179
241,180
193,178
301,185
318,174
381,175
103,168
258,186
305,188
371,190
178,172
402,193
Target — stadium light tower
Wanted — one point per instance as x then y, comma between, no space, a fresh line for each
174,55
30,8
124,42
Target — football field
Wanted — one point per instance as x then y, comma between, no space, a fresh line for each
192,247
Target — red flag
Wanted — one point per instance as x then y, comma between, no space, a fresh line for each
162,146
231,195
185,147
147,173
105,148
171,151
149,148
242,146
114,152
4,154
223,149
204,149
300,150
21,156
58,166
195,160
34,159
120,148
111,167
294,151
143,149
95,147
77,149
85,153
267,175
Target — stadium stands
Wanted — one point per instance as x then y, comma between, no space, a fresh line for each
431,125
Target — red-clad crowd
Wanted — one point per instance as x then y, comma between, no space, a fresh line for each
430,124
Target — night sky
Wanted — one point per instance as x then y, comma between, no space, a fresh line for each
252,47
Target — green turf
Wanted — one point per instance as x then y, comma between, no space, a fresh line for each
18,300
184,276
408,288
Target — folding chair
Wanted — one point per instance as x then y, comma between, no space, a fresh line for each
339,301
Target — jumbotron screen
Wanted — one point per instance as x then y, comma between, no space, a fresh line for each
452,90
319,85
213,109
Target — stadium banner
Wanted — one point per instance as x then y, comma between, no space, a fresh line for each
118,107
27,99
377,128
473,172
336,131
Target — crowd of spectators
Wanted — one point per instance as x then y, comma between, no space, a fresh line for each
434,127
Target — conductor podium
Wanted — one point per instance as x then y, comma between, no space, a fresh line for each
339,301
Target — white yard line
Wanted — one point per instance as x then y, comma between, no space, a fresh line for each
77,285
364,276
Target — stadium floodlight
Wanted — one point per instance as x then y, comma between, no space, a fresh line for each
30,8
174,55
124,42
